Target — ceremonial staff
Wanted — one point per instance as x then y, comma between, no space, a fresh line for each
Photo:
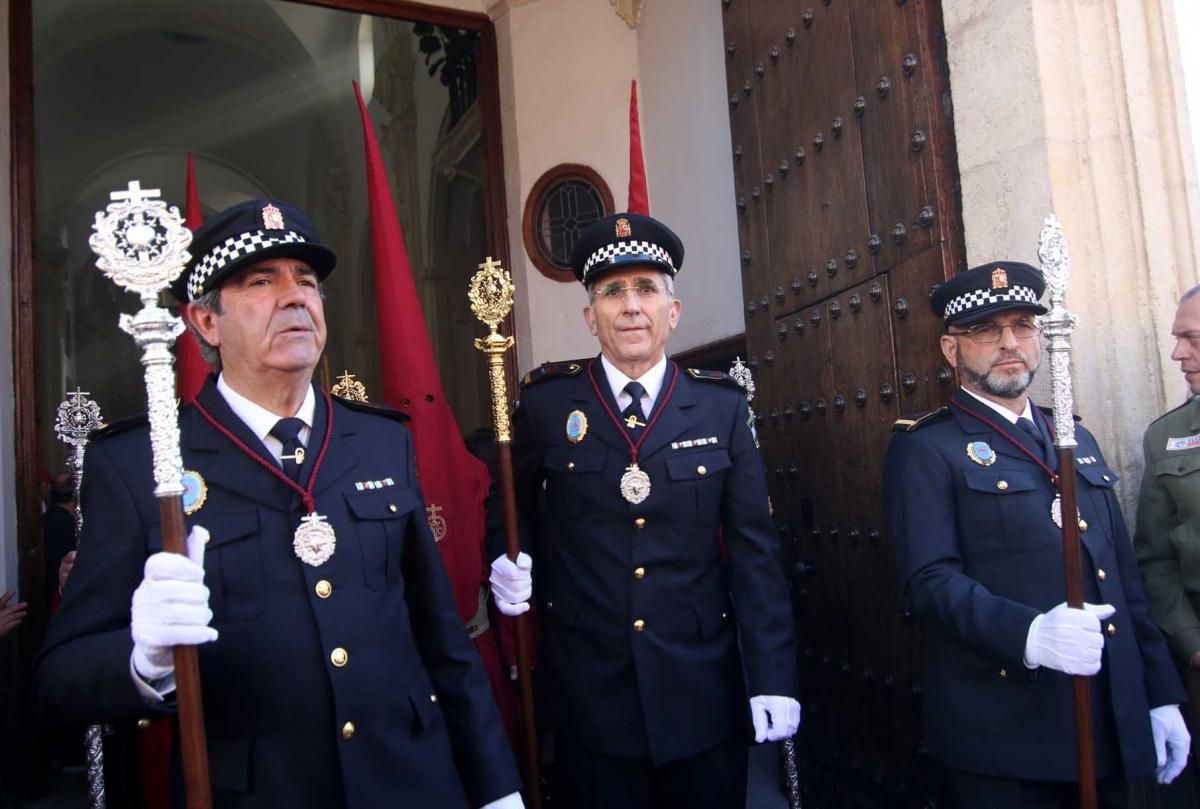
491,295
77,417
1058,324
141,245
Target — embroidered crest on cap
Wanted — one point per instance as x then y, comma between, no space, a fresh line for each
623,230
272,218
999,278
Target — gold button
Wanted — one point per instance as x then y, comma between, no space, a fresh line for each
433,697
143,724
639,572
324,589
1003,672
339,657
549,605
348,731
1002,485
640,522
1111,629
392,507
1083,526
701,470
639,625
1101,575
570,465
1106,478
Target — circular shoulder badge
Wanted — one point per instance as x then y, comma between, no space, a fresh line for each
981,453
195,491
576,426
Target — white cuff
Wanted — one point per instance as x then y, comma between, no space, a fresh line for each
153,693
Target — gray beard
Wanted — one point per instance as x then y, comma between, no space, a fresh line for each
1005,388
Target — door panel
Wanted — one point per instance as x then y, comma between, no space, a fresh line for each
847,194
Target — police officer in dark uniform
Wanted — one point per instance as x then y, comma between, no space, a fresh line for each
975,518
335,670
635,470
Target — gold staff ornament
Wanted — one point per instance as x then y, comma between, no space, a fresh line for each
349,388
491,295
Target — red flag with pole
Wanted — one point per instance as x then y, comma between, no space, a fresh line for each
454,482
190,368
639,195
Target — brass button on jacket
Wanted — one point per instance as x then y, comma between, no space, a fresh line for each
324,589
639,572
1111,629
348,731
339,657
639,625
640,522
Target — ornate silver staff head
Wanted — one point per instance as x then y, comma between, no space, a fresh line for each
141,244
1058,324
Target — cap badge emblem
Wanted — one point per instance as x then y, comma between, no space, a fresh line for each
576,426
623,229
272,217
999,278
981,453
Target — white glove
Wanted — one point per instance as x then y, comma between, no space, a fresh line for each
510,801
1171,742
170,608
1067,639
512,583
775,718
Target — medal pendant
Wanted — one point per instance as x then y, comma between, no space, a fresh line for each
314,540
635,484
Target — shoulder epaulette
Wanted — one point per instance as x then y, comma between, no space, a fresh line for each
118,427
720,377
1172,410
373,409
548,370
910,423
1049,413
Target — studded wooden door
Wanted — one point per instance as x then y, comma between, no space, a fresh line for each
848,213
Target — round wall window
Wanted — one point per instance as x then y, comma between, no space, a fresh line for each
564,201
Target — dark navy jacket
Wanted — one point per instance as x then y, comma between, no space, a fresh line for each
426,729
979,558
675,687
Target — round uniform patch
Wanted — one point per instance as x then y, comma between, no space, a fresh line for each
981,453
576,426
195,491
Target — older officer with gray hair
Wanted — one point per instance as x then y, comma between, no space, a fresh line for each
649,641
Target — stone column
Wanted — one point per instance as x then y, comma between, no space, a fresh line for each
1078,107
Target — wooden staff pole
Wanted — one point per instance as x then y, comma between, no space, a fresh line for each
1058,325
491,296
141,244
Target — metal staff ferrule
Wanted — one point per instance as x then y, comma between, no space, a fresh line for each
1057,325
141,244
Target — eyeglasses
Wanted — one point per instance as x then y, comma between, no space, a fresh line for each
643,289
992,332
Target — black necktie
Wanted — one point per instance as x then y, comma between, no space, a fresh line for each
288,433
632,415
1032,429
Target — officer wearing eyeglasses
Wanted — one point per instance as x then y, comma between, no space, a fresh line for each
656,657
970,493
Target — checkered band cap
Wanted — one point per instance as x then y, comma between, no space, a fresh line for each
980,298
233,249
611,253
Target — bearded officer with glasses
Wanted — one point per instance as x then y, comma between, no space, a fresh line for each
974,514
656,658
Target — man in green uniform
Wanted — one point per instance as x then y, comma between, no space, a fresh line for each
1167,540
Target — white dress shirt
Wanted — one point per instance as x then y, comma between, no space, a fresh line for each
261,421
651,381
1004,411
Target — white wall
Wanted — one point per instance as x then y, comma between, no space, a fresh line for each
565,70
689,168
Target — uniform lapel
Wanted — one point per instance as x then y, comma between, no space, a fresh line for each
671,416
1005,438
340,457
591,399
221,462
